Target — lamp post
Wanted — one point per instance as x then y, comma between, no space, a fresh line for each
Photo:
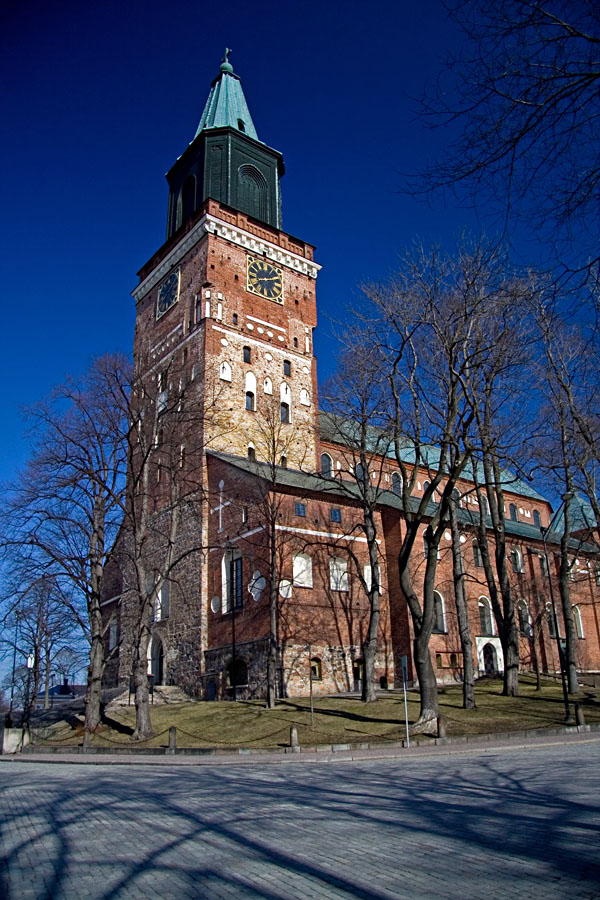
563,675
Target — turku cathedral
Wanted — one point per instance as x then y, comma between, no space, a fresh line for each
243,481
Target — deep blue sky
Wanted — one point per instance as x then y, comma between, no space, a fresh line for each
98,100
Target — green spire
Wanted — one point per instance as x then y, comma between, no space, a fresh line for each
226,106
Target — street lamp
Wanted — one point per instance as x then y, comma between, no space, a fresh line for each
561,661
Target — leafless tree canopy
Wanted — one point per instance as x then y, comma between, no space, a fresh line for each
524,96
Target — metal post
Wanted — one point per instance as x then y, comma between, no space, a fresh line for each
14,665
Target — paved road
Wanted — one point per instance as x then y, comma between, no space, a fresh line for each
504,823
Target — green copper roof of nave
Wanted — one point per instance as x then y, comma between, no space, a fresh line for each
226,106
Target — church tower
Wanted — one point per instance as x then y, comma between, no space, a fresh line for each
229,293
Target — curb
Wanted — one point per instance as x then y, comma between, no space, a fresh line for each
319,753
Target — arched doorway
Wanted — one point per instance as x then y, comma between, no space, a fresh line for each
156,659
490,660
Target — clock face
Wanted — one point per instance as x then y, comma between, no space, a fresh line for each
264,279
168,293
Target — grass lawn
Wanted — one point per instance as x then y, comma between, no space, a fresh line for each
338,719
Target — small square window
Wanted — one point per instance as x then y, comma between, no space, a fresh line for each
336,515
300,509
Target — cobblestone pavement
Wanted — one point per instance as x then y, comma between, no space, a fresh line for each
516,823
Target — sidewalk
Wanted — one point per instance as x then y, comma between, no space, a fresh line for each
482,743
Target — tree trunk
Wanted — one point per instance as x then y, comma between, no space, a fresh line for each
565,598
143,725
462,613
274,587
93,694
429,711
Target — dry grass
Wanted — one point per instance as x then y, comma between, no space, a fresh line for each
338,719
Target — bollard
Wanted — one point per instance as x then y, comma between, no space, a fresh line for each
172,740
579,716
86,740
294,739
441,727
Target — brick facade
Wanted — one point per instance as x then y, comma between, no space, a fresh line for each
216,364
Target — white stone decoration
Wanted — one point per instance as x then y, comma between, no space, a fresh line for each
269,333
447,536
249,326
280,337
285,588
225,371
215,604
305,369
260,329
269,356
257,585
462,539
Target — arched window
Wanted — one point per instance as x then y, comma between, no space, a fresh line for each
426,485
486,621
188,194
232,577
537,519
397,484
578,622
326,465
439,619
338,573
241,125
304,397
252,191
454,660
524,619
247,354
225,371
250,391
302,569
550,620
359,472
512,509
112,634
283,462
517,561
438,660
287,368
316,669
285,396
268,386
237,673
477,555
251,452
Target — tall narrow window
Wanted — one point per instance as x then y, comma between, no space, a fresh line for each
397,484
477,555
485,617
578,622
287,367
247,355
326,465
537,519
517,561
439,622
249,401
338,573
285,412
524,622
512,509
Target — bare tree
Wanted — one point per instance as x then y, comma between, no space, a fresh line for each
357,421
429,324
523,94
63,515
